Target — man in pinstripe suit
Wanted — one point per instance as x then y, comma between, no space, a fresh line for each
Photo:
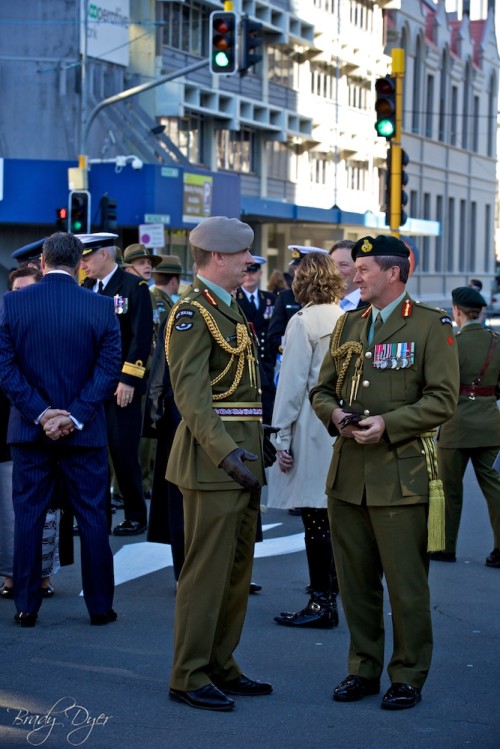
59,360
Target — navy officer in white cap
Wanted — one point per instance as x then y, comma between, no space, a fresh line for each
217,461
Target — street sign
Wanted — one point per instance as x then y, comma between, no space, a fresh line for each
152,235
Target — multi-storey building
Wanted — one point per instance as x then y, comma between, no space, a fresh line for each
290,147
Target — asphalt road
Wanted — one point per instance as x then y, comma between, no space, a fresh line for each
65,683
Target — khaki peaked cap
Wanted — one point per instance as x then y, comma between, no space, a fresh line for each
169,264
222,234
137,251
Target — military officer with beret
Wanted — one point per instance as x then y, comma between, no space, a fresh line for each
133,308
217,462
389,379
473,432
258,307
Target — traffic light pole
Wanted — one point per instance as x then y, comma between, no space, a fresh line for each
126,95
398,71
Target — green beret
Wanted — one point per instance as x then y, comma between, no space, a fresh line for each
222,234
169,264
382,245
464,296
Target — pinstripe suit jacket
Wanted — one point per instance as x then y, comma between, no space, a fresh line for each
59,348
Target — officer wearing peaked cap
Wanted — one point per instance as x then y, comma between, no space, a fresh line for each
388,380
258,307
286,305
473,432
133,308
217,462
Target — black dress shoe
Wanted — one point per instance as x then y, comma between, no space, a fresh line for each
442,556
243,686
355,688
320,613
254,588
205,698
6,592
25,620
400,697
100,619
129,528
493,560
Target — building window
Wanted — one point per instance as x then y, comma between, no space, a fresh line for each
463,236
318,167
183,26
471,244
492,104
236,150
465,108
358,94
426,242
322,82
357,175
429,108
442,96
417,78
327,5
439,239
488,251
277,160
187,134
282,66
475,124
361,14
454,115
451,236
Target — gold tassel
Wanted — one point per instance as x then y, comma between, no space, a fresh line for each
435,521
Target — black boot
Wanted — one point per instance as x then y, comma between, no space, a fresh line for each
320,613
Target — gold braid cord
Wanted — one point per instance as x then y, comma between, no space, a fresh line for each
243,348
342,356
436,520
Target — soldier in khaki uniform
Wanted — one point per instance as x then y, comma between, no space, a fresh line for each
473,433
167,278
399,375
215,379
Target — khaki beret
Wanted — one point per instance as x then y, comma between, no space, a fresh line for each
169,264
381,245
222,234
465,296
137,251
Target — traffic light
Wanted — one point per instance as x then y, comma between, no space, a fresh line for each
251,40
385,107
79,212
405,160
108,207
62,219
223,42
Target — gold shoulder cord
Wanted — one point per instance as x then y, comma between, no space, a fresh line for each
242,349
342,356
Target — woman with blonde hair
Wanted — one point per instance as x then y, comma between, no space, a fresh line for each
304,448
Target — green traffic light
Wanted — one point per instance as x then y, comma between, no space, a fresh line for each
385,128
77,225
221,59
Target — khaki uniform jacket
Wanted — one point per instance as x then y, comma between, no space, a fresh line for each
412,399
203,438
162,304
476,423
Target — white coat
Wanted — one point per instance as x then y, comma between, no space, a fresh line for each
307,338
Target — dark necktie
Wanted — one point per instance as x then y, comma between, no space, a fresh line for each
253,306
378,324
100,287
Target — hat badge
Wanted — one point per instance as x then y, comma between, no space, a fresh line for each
296,254
366,246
